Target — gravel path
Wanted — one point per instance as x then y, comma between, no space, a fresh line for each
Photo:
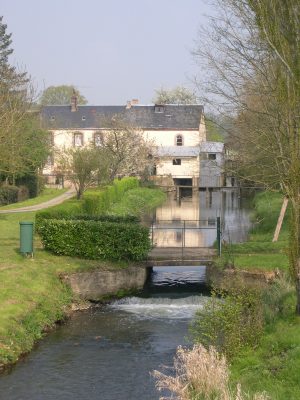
57,200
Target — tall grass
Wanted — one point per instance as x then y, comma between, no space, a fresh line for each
201,374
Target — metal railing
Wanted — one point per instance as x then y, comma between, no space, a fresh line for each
180,229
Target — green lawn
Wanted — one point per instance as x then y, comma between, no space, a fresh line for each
32,296
47,194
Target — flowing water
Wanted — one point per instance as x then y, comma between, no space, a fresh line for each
107,353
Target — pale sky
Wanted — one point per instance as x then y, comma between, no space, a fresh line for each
112,50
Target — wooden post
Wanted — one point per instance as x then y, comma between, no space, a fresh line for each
219,235
280,219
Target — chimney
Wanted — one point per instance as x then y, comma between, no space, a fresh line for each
134,102
128,104
74,102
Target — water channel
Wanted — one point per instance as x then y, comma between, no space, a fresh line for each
107,353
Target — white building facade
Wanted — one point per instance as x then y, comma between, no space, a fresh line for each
176,130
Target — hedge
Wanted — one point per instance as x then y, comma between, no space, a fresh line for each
8,194
100,202
95,239
63,215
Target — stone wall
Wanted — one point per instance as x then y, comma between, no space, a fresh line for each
93,285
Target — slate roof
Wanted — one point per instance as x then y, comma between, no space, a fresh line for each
142,116
178,151
211,147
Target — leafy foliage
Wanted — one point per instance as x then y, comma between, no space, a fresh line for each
61,95
100,202
95,240
230,321
8,194
178,95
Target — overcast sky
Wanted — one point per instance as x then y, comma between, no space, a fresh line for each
112,50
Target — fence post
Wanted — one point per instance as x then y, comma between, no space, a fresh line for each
219,235
152,232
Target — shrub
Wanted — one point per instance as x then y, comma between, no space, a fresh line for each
100,202
95,239
23,193
8,194
63,215
230,321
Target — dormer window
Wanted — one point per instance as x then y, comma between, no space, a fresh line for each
179,140
52,118
159,109
83,118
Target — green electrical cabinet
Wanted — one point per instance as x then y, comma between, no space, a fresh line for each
26,237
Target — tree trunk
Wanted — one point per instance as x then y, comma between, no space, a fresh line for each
298,293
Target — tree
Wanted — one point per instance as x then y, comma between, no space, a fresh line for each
252,55
61,95
24,150
128,152
178,95
84,166
23,146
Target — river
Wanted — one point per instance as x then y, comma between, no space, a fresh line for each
108,353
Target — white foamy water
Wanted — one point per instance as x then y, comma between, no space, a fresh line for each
160,307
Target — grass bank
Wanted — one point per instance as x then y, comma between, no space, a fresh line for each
259,253
274,364
47,194
32,296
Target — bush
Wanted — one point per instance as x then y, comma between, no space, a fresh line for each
95,239
230,321
8,194
64,215
23,193
100,202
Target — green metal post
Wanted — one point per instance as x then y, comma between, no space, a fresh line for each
219,235
26,237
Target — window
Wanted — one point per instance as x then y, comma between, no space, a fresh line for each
50,160
83,118
212,156
159,109
98,139
179,140
78,139
178,236
177,161
52,118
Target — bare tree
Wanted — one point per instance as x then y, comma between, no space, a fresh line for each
252,55
126,149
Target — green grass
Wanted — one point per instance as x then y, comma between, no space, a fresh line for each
259,252
32,296
138,201
275,365
47,194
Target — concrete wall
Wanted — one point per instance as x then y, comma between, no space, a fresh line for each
96,284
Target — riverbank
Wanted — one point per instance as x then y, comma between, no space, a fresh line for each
274,365
32,295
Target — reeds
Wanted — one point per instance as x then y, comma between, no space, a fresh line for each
201,374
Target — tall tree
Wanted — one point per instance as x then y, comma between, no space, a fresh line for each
252,55
61,95
177,95
22,145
